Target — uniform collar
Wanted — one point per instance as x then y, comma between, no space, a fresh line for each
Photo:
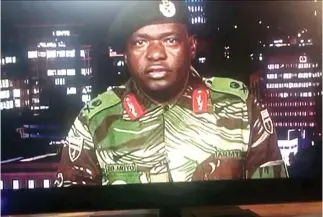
142,104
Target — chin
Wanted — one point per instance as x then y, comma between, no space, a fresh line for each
160,85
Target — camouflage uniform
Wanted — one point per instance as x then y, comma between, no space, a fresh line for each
215,130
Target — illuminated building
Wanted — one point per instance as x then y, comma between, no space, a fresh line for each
54,62
59,59
197,11
290,85
55,57
14,92
6,94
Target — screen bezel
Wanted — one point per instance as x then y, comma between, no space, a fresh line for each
161,195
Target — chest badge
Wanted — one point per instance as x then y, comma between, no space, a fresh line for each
200,100
133,108
267,122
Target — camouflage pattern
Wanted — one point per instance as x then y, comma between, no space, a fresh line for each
233,139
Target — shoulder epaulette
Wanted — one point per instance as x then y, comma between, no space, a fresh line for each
102,101
227,85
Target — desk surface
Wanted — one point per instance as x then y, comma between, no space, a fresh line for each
268,210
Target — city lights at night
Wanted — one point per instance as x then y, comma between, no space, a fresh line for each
51,69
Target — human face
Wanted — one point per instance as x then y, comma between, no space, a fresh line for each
159,56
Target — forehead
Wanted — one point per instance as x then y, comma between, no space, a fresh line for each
160,29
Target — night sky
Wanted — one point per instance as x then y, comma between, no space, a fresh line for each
283,17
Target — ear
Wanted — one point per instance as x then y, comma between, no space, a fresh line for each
193,44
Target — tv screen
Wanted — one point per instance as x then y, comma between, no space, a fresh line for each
113,93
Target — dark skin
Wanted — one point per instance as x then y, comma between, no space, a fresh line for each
159,59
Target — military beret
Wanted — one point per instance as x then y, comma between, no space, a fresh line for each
137,14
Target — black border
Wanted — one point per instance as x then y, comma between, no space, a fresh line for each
154,196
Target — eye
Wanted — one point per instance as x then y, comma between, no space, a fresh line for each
139,43
171,40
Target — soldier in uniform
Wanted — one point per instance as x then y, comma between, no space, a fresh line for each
167,123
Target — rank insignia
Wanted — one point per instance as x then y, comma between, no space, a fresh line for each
200,100
133,108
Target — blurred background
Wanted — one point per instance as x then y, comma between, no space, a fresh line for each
55,58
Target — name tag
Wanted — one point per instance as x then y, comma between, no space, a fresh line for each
122,168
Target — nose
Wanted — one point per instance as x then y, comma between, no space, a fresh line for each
156,51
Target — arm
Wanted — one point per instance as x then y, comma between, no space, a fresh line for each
263,158
78,165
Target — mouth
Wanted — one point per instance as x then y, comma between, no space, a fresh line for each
157,72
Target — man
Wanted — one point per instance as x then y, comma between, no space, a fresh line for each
167,124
